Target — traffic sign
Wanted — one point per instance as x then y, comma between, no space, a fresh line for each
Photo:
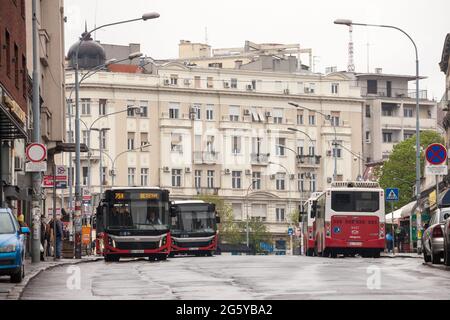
36,152
48,182
436,154
36,166
392,194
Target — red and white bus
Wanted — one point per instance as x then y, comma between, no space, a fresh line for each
309,225
350,219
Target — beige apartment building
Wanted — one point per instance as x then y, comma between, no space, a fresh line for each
219,131
444,66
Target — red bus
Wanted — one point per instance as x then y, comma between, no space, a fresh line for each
133,222
194,228
350,219
309,225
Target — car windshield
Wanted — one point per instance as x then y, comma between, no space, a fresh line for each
6,224
196,220
139,214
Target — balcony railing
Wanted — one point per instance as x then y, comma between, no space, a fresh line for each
397,93
206,157
260,158
309,160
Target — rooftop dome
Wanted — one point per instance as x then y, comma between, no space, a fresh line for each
90,55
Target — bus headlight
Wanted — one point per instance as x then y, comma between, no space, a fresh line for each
163,241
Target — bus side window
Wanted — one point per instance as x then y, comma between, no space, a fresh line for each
100,219
314,209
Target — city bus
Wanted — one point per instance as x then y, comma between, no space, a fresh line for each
309,225
194,228
350,220
133,222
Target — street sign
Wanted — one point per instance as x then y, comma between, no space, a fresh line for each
440,170
290,231
87,197
436,154
36,166
48,182
392,194
36,152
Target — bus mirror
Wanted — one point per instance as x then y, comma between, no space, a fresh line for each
217,219
173,211
446,216
211,207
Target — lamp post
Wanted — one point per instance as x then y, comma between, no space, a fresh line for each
78,198
100,143
246,210
122,153
333,124
351,23
357,156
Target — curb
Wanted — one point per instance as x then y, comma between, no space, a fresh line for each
400,256
17,291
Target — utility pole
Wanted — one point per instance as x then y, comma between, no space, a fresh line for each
36,176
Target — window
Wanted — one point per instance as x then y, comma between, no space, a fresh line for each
310,88
197,112
342,201
335,119
103,139
215,65
8,53
312,183
387,111
131,176
312,148
408,112
130,141
335,88
256,116
257,145
280,149
301,147
387,137
197,82
198,179
236,145
174,110
337,152
24,75
237,211
372,87
173,79
368,115
256,178
301,182
177,143
176,178
278,115
102,107
312,119
281,181
235,112
85,176
209,112
254,84
236,179
368,137
234,83
70,136
408,135
16,65
144,109
85,107
131,111
85,135
280,214
210,179
144,177
210,144
210,82
300,119
144,138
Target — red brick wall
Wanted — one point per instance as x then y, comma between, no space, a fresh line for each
12,20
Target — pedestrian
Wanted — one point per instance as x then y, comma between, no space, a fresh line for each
43,237
21,220
58,225
389,239
48,238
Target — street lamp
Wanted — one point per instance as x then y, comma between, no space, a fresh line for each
246,203
333,124
357,156
113,173
349,23
100,134
85,36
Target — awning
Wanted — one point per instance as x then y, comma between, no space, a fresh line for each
407,209
397,215
10,128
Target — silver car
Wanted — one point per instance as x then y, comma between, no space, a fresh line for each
433,237
447,240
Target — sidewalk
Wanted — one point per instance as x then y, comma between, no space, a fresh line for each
13,291
401,255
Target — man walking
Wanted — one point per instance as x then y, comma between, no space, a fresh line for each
57,223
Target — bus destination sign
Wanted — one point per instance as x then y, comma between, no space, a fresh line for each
136,196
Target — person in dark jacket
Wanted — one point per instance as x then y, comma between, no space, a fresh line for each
59,236
43,237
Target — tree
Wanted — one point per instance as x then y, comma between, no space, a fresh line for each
258,233
399,171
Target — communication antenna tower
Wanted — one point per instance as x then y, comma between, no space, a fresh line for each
351,60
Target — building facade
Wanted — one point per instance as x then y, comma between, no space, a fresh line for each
444,66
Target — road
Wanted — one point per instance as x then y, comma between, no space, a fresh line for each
245,277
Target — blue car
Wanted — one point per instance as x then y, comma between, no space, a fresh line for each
12,246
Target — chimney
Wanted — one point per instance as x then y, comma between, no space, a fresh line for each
379,70
237,64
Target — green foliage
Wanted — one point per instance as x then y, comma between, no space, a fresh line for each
400,169
258,232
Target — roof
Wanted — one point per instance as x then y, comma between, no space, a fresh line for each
124,68
386,75
445,54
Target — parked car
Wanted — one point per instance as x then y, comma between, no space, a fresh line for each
433,237
447,240
12,246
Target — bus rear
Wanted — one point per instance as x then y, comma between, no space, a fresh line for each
134,222
350,219
194,228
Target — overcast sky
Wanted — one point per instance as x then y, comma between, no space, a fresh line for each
310,23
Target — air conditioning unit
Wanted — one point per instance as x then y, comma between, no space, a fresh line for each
248,172
307,90
246,112
249,87
166,82
329,153
368,141
227,171
187,170
19,164
286,91
226,85
166,169
272,177
187,82
268,114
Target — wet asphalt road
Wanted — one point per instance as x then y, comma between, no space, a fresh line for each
245,277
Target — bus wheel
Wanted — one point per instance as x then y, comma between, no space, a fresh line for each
171,255
161,257
209,254
333,254
377,254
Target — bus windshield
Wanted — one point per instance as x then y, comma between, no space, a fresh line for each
195,219
355,201
139,215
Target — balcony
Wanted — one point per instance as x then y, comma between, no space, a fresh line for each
308,161
206,157
259,159
208,191
396,94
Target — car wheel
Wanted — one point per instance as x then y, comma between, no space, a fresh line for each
18,276
435,258
446,256
426,257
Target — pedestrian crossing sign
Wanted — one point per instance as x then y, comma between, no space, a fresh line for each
392,194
